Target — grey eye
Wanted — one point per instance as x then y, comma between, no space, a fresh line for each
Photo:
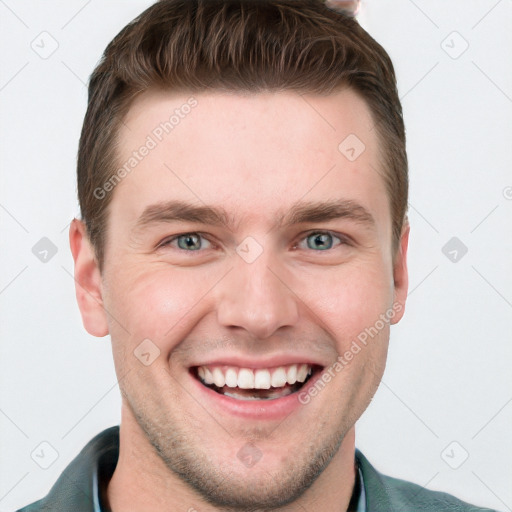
320,241
190,242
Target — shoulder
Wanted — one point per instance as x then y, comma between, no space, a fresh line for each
37,506
385,494
76,488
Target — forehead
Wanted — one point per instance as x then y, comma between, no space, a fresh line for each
252,154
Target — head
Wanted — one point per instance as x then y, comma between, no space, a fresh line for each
242,178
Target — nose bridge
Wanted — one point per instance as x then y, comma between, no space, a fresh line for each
254,297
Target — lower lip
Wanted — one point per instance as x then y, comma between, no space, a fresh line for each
277,408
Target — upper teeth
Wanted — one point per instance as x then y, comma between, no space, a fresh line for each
247,378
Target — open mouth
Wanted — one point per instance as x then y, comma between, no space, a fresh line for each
255,384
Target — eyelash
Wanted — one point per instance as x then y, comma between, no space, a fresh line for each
344,240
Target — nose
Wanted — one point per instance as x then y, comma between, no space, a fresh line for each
256,297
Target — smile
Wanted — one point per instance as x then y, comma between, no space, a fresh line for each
255,384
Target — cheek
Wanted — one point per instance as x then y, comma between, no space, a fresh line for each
154,304
349,300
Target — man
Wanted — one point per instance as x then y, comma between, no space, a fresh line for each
242,178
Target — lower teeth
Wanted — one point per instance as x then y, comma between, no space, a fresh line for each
257,395
238,397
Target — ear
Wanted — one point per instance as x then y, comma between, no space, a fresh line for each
400,274
88,284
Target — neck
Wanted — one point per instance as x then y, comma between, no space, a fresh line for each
142,481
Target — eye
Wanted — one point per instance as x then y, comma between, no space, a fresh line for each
322,240
187,241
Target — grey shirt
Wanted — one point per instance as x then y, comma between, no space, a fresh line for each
78,489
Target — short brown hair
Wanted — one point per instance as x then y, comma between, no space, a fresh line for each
236,45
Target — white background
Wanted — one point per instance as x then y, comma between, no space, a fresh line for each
448,377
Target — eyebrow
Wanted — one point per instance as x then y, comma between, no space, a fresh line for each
314,212
300,213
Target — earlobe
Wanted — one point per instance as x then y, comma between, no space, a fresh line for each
400,274
88,285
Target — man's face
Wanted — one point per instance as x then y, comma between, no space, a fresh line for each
247,299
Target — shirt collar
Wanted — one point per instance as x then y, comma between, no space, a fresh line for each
361,502
96,491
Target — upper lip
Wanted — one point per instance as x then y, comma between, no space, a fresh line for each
256,363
